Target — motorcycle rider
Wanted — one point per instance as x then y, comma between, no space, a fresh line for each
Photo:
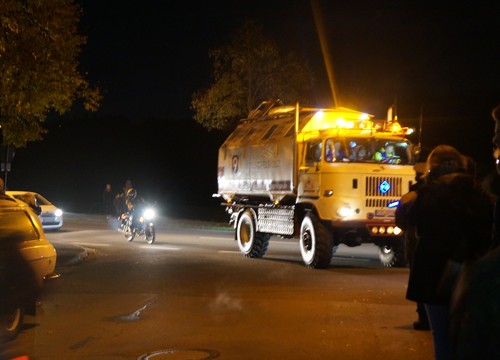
120,198
133,203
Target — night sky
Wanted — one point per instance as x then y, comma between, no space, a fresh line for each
149,57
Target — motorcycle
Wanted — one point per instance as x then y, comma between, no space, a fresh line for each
142,226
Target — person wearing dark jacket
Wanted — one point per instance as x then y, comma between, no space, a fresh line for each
452,217
475,306
410,238
108,198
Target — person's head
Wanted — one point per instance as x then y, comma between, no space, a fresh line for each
389,150
108,187
362,153
444,159
131,194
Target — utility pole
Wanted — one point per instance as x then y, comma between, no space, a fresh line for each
7,154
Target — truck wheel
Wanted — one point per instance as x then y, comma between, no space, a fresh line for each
11,322
316,243
393,255
251,243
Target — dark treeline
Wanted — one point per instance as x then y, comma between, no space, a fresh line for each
174,162
171,162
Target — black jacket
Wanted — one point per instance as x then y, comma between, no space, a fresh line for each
452,216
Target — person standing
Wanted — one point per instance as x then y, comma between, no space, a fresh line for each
108,201
452,217
411,238
475,307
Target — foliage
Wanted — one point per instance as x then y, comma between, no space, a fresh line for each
247,71
39,49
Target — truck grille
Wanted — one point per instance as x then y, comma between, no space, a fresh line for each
381,190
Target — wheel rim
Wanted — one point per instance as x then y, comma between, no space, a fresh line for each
386,250
386,255
11,322
307,241
14,320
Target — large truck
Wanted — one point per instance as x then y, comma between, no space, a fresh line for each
327,176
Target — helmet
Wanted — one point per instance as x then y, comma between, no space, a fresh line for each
131,194
445,159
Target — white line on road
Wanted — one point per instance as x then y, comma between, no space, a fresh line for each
160,247
91,244
214,238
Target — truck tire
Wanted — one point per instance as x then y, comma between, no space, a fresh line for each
316,243
393,255
252,244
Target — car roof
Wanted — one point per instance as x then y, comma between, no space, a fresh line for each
7,201
19,192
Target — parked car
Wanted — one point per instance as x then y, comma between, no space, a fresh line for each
27,260
51,216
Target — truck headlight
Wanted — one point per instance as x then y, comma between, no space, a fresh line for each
345,211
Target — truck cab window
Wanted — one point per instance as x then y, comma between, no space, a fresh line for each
313,154
335,150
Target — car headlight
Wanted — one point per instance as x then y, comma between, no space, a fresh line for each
58,212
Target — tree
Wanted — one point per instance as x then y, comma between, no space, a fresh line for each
39,49
248,70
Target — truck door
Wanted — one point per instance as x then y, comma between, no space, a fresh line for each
309,169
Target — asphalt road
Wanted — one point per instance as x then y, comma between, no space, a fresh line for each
192,296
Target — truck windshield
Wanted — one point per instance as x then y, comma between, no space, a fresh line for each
374,150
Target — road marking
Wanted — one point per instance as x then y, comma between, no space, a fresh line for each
160,247
228,252
213,238
91,244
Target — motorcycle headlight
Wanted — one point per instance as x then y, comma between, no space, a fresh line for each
149,214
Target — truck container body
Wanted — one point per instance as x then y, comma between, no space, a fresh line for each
324,176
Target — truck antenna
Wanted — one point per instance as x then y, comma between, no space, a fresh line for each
420,122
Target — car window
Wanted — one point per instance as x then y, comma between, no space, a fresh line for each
17,224
40,200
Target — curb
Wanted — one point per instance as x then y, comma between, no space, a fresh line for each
69,254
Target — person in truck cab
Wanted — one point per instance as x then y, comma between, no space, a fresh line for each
334,151
384,153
